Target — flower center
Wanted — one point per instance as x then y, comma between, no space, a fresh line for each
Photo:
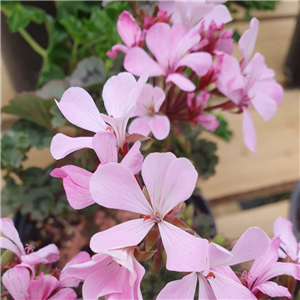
150,111
210,275
29,248
246,277
155,217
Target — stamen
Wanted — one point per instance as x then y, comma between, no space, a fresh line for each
150,111
155,217
29,248
246,276
210,275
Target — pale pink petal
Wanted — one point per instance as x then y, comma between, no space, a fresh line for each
76,184
154,171
123,235
158,41
184,288
224,42
205,290
208,121
133,160
128,29
249,130
228,272
64,294
17,281
160,126
185,252
114,186
43,287
8,245
140,272
199,62
140,125
248,39
158,98
283,229
46,255
182,82
79,108
272,289
137,61
8,228
144,102
220,15
105,145
217,255
110,279
63,145
264,105
171,8
177,185
226,288
271,89
115,49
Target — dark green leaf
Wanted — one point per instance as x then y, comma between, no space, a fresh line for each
236,36
31,108
50,72
222,131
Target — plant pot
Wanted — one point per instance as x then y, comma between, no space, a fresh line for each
22,62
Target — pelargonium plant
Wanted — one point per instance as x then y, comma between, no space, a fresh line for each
183,57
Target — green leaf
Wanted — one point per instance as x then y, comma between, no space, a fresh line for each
39,136
222,131
50,72
90,71
52,90
31,108
58,120
13,149
236,36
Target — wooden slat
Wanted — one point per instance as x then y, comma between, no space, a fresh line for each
275,163
233,225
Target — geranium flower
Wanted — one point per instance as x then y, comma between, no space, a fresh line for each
169,181
148,106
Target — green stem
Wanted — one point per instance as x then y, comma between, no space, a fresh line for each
34,45
74,55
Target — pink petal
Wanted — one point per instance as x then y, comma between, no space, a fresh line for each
140,272
79,108
205,290
105,146
63,145
283,229
8,228
248,39
114,186
43,287
228,272
271,89
225,42
220,15
7,244
123,235
17,281
158,41
133,160
144,102
171,8
208,121
249,130
264,105
226,288
110,279
199,62
140,125
76,184
137,61
158,98
185,252
64,294
182,82
115,49
160,126
272,289
217,255
128,29
184,288
45,255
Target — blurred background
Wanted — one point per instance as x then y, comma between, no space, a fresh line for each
247,189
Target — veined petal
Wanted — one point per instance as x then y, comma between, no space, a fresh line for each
137,61
63,145
76,184
123,235
42,287
217,255
185,252
9,245
249,130
205,290
220,15
140,125
46,255
182,289
272,289
182,82
199,62
114,186
8,228
133,160
160,126
66,294
79,108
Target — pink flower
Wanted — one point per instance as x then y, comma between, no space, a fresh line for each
251,83
169,181
170,46
115,274
265,268
19,284
130,33
12,242
148,106
283,229
196,107
120,94
190,13
76,180
218,281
